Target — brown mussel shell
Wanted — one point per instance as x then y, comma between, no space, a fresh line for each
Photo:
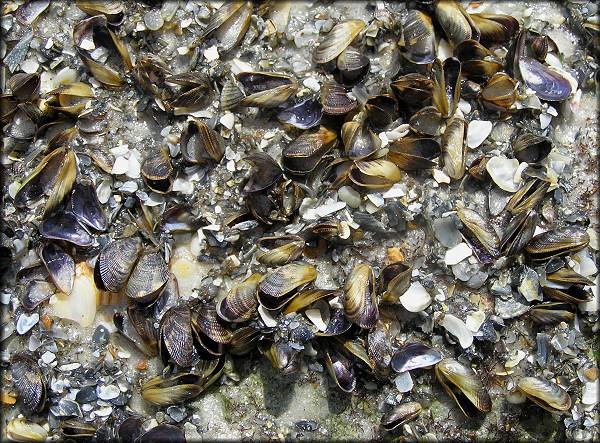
175,337
29,382
414,153
303,154
60,266
335,99
400,415
86,206
359,141
395,281
199,143
360,300
379,349
149,278
532,148
338,39
418,38
115,263
381,110
241,301
156,170
557,242
545,394
278,285
454,148
280,250
229,24
352,67
340,370
459,379
552,313
266,89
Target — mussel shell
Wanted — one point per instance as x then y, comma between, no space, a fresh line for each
283,357
375,174
307,297
335,99
175,337
568,276
130,327
35,293
243,340
163,433
76,429
454,148
528,196
229,24
414,153
450,371
205,319
177,388
545,394
551,313
265,173
496,28
352,67
455,21
304,115
379,349
156,170
266,90
20,429
547,84
414,355
395,281
149,278
278,285
413,90
303,154
446,85
129,430
338,39
381,110
29,382
360,302
54,176
340,370
518,233
479,235
280,250
86,206
25,86
115,263
418,36
572,294
338,324
63,225
427,121
400,415
199,143
241,301
532,148
60,265
359,141
557,242
500,92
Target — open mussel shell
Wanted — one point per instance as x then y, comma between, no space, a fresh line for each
518,233
359,141
65,226
20,429
60,266
29,382
265,172
261,206
277,286
571,294
479,235
418,38
112,9
528,196
461,381
360,300
304,153
375,174
199,143
175,338
340,370
138,329
569,277
557,242
283,357
427,121
309,296
197,93
177,388
304,115
338,39
25,86
206,320
72,98
414,153
400,415
24,122
243,340
35,293
500,92
545,394
455,21
54,177
552,313
229,24
395,281
338,323
76,429
496,28
162,433
115,263
379,350
179,219
149,278
280,250
335,99
381,110
156,170
446,85
241,303
413,90
86,206
414,355
266,89
454,148
532,148
352,67
546,83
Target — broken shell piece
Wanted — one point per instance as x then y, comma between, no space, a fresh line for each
416,298
478,132
503,170
457,328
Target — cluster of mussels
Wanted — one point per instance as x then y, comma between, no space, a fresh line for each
492,62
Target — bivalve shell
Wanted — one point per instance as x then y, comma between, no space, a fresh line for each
546,394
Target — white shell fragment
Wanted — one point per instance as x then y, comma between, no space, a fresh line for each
475,320
457,254
81,305
416,298
404,382
314,315
589,393
503,170
458,328
478,132
266,317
